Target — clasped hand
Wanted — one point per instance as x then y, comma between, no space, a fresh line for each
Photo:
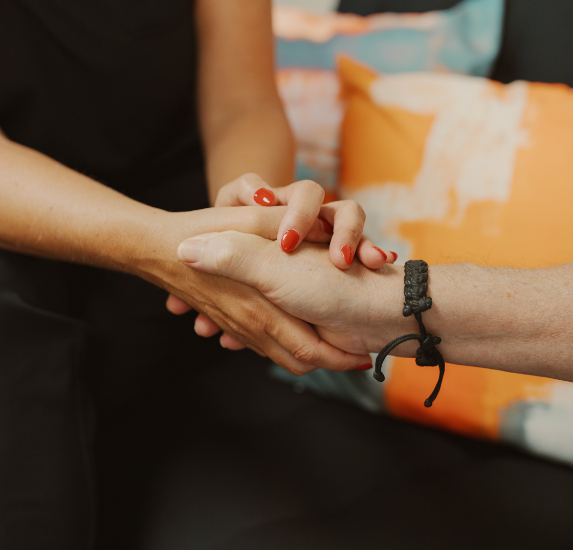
296,276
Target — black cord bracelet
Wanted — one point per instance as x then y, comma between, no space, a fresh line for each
416,302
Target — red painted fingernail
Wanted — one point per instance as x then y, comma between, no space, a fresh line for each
366,366
264,196
289,240
348,253
395,255
326,227
381,252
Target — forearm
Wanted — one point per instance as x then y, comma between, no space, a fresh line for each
243,125
518,320
49,210
257,139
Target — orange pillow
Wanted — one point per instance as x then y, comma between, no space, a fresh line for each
453,168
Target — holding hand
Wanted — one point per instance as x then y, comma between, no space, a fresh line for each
342,221
304,284
306,218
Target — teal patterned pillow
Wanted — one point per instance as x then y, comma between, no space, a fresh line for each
464,39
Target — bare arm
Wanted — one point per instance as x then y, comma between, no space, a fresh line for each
243,125
518,320
49,210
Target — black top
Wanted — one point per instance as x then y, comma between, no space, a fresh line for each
106,87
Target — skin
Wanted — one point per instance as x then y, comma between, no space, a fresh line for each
243,125
51,211
346,221
516,320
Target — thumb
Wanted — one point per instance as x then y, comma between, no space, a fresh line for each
238,256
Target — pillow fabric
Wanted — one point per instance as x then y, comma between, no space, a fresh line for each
464,39
453,168
535,35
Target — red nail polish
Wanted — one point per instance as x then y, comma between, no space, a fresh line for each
289,240
264,196
395,255
348,253
326,227
366,366
381,252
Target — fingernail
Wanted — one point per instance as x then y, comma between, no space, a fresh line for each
289,240
382,252
348,253
366,366
189,251
395,255
326,227
264,196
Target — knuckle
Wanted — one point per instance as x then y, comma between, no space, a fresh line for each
305,354
311,188
250,180
225,253
354,233
355,207
302,217
244,327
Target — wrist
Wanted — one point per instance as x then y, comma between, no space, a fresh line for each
161,233
385,297
387,304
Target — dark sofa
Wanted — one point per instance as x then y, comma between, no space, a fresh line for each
225,458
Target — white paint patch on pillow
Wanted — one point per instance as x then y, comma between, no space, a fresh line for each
469,154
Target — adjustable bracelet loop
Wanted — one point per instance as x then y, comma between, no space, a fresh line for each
416,302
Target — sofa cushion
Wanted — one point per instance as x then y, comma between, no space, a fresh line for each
536,39
464,39
225,458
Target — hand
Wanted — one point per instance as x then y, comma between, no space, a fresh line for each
241,311
344,306
342,223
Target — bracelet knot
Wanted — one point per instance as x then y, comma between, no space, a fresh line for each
428,355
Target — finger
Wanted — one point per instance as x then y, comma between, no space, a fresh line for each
392,257
205,327
243,257
247,190
347,218
239,256
228,342
303,354
177,306
296,346
372,256
304,199
303,350
264,222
